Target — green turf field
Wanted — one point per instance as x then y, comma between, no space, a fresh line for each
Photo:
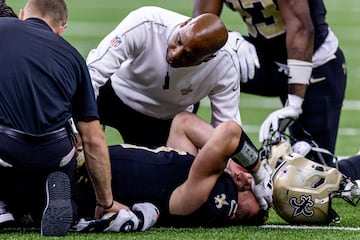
91,20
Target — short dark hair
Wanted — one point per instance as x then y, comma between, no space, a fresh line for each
258,219
6,11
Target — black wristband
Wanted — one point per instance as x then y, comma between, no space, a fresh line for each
105,207
246,153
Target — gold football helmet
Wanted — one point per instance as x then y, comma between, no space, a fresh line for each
303,191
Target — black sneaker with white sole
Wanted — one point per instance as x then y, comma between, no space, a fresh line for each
58,214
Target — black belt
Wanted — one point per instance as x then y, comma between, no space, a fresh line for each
57,134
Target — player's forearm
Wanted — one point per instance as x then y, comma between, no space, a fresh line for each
97,160
208,165
300,39
297,89
299,49
299,43
299,29
98,166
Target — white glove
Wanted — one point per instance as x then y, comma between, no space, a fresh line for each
125,221
149,214
267,166
291,110
247,55
142,217
262,187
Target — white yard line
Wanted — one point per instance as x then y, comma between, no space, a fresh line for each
312,227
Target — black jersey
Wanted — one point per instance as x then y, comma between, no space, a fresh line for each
141,174
266,27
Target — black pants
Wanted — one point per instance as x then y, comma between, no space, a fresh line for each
27,162
350,167
134,127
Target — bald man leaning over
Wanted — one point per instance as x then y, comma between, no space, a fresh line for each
157,63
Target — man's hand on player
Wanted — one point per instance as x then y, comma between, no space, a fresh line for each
262,187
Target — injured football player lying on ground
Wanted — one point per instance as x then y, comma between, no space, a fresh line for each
217,192
146,179
193,186
295,200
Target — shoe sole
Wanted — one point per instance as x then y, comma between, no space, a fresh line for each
58,215
6,220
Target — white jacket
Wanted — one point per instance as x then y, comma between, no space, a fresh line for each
133,56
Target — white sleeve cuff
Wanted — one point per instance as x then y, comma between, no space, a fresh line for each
299,71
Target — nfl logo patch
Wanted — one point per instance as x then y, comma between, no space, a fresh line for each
116,41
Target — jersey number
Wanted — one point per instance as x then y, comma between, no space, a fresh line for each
261,17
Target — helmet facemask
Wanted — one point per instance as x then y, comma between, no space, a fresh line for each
280,144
